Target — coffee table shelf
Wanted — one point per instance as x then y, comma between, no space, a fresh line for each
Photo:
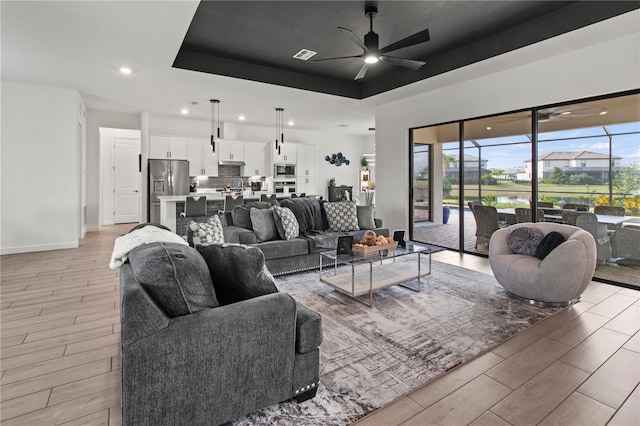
357,276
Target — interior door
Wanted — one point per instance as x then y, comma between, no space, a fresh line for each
126,179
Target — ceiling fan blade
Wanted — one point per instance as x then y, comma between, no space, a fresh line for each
339,57
417,38
362,71
354,38
407,63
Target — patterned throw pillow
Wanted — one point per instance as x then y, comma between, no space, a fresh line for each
524,240
286,223
342,216
207,233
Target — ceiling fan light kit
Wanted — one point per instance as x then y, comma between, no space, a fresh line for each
279,129
372,54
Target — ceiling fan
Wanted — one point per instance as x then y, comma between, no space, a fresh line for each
558,113
372,54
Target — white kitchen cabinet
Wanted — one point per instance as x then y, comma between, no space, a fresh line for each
308,185
230,150
202,162
168,147
306,160
255,158
288,153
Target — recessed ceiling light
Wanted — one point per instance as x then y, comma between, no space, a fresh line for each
125,70
488,127
184,111
603,112
241,117
291,123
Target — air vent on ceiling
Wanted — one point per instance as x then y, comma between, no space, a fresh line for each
304,54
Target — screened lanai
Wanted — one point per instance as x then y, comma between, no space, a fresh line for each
587,155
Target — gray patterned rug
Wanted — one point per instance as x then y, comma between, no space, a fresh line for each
372,356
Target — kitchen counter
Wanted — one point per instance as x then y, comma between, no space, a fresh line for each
168,211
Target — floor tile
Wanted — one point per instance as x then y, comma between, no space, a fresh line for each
591,353
599,292
534,400
522,366
462,406
612,383
392,414
454,379
627,322
629,413
633,344
489,419
578,328
24,404
612,306
579,410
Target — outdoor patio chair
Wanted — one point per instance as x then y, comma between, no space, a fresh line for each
610,210
545,204
577,207
486,223
524,215
589,222
569,216
626,245
472,205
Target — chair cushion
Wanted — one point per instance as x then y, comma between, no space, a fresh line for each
175,276
286,223
365,216
263,224
524,240
550,241
342,216
242,217
206,233
238,272
308,329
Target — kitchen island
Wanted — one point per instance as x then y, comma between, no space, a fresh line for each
172,205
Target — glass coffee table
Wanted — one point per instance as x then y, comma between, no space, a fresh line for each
356,275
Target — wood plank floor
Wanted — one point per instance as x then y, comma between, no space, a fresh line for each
60,353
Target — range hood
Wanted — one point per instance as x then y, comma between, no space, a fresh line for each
231,163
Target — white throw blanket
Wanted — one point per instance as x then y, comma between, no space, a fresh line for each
146,235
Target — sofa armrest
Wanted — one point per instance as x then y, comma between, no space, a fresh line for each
238,235
243,351
308,329
378,222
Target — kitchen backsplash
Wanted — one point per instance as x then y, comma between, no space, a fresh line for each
226,174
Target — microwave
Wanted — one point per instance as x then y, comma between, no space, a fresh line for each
284,170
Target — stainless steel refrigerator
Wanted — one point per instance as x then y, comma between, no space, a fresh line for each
166,177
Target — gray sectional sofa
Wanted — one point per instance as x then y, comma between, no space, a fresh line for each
207,337
301,253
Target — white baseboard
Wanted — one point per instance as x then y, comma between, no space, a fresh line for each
40,247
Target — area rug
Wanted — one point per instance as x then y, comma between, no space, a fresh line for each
372,356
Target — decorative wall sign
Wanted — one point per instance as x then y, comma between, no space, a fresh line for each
337,159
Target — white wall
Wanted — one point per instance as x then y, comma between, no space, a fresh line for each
41,168
326,143
607,67
95,120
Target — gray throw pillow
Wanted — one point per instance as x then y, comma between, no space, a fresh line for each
175,276
286,223
263,224
238,272
524,240
342,216
242,217
365,217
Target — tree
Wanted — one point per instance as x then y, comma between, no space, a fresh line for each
627,180
558,177
497,172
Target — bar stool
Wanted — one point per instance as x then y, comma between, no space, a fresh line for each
268,198
298,195
230,202
195,206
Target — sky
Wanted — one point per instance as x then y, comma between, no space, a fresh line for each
506,156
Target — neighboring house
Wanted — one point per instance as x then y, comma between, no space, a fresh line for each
593,164
472,165
511,173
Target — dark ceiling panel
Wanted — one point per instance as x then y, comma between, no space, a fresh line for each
256,40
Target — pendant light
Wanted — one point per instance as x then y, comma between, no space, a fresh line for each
279,129
215,123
